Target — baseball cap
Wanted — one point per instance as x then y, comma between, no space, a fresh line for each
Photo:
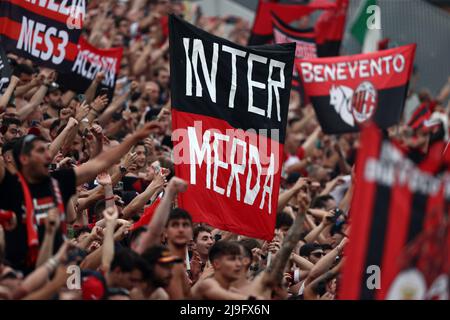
93,285
160,254
308,248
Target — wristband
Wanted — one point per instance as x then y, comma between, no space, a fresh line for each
296,276
110,198
51,265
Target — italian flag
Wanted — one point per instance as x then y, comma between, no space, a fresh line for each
363,28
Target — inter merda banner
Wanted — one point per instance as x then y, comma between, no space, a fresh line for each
349,91
46,32
88,62
229,114
399,224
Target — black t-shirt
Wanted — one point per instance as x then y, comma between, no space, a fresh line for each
11,198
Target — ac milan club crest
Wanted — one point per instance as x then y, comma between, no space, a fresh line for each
359,105
347,92
364,102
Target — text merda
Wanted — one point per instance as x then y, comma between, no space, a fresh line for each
271,85
239,178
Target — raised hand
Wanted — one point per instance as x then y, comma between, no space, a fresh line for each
177,185
147,129
129,160
100,76
111,214
82,111
97,131
53,220
100,103
104,179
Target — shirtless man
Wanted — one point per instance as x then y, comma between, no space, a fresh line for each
226,259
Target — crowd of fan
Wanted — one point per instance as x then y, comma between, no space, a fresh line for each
109,208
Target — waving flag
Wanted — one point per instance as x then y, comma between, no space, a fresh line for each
348,91
262,29
229,115
399,218
46,32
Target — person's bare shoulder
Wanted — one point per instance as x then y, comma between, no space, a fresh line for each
201,286
159,294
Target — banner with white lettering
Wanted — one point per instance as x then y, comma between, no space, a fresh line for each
399,223
348,91
5,71
46,32
229,114
88,62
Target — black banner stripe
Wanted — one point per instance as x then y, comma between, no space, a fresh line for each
239,115
376,243
385,115
418,214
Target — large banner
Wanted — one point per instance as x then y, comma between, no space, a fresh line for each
5,71
349,91
46,32
330,28
229,114
88,62
399,244
262,28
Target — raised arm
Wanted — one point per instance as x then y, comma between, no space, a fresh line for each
88,171
159,220
139,202
51,225
110,214
309,144
57,144
4,99
286,196
324,264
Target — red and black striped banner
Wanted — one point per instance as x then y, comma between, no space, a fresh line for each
229,114
349,91
400,231
46,32
262,28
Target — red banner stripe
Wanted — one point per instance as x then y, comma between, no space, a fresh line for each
42,11
220,211
396,236
360,217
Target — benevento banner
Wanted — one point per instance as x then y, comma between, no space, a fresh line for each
46,32
88,62
348,91
229,114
